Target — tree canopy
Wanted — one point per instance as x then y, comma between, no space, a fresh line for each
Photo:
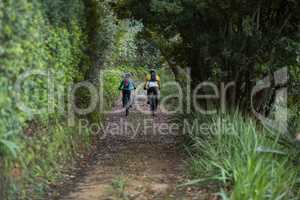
231,40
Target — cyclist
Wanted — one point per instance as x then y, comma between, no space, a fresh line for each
126,85
152,84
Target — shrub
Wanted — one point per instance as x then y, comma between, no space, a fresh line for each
241,159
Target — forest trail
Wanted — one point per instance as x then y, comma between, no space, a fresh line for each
136,164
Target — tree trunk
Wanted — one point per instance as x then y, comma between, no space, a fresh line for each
92,17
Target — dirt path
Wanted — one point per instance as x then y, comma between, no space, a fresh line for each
138,159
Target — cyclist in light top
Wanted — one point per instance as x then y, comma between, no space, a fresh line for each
152,83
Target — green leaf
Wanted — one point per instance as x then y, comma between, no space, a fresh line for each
10,146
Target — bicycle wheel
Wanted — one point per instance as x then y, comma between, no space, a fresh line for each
126,103
127,111
153,103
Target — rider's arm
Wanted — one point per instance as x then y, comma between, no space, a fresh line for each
133,84
121,85
146,81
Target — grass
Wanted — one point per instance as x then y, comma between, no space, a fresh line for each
119,185
118,188
241,160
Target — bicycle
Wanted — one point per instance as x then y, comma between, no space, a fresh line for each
126,101
153,101
126,86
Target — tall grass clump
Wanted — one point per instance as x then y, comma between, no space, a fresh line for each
241,159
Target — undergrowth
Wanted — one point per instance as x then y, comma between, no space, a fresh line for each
240,159
39,157
45,43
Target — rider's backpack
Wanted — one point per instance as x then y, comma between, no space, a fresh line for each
153,77
126,83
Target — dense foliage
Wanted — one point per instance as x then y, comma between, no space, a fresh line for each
222,41
242,159
47,46
38,41
241,42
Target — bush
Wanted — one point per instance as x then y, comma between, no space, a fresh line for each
61,39
49,37
242,159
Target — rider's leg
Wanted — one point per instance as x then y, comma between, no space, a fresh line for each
148,98
127,94
129,98
155,93
157,96
123,98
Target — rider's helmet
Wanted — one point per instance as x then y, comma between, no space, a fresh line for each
152,71
126,75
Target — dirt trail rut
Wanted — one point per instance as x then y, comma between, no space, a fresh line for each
137,160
